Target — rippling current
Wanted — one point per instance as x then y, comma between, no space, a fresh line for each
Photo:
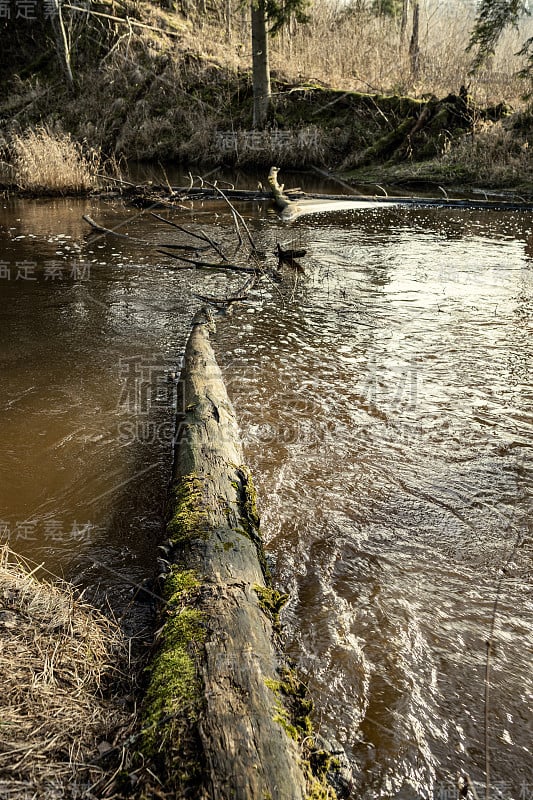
386,407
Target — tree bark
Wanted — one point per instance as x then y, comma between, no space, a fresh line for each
414,44
403,22
260,64
216,713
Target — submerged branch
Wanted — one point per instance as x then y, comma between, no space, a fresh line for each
235,214
210,264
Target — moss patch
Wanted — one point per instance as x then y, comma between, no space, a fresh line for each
293,710
189,518
174,695
271,601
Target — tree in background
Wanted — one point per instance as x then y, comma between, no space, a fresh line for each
493,16
260,64
268,17
414,42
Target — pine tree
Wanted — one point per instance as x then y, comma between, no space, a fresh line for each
492,17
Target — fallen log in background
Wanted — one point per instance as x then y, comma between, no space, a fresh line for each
223,717
157,196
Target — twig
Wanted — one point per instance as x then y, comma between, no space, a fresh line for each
100,229
116,180
239,216
237,229
122,21
202,236
108,232
239,296
170,189
209,264
216,247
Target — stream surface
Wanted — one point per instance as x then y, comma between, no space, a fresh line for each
386,408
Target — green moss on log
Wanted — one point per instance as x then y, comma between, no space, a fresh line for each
174,697
174,686
271,601
189,519
293,710
386,145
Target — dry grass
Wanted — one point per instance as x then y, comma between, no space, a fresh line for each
166,98
44,161
56,654
494,154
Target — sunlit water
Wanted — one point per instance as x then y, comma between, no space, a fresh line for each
385,403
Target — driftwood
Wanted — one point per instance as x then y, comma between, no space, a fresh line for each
153,196
215,707
292,209
281,200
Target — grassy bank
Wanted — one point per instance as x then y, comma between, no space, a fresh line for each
181,91
64,708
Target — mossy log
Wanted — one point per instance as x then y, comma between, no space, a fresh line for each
215,717
421,131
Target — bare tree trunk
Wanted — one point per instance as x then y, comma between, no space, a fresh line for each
61,40
260,64
403,23
414,45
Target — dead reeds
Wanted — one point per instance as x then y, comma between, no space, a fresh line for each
46,161
58,657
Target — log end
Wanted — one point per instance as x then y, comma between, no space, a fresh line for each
280,198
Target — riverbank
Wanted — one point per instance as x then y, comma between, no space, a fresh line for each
67,707
166,95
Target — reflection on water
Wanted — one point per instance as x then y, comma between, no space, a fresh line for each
386,406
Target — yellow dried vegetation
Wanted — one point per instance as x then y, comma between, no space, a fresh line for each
59,657
52,162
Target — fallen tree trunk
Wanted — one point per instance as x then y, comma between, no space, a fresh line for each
216,713
149,197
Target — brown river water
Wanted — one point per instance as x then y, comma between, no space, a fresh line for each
386,408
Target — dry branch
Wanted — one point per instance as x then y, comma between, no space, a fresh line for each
101,229
209,264
236,215
129,21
